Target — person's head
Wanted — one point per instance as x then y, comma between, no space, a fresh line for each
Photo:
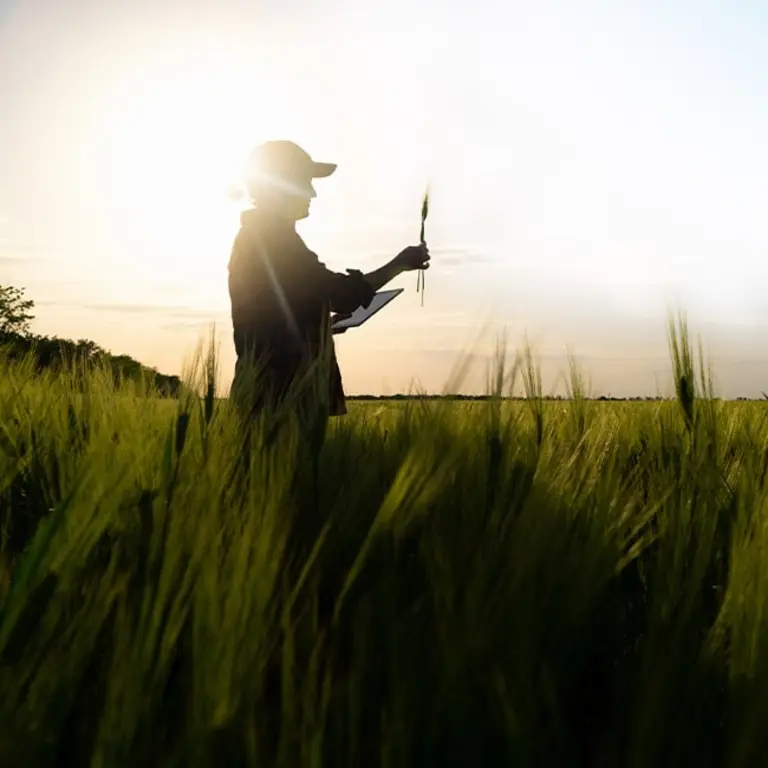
279,178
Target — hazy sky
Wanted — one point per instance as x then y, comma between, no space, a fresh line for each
591,164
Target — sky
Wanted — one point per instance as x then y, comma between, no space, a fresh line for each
592,166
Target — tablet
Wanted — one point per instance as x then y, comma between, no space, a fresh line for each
360,315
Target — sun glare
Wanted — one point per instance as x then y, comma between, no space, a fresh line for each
173,143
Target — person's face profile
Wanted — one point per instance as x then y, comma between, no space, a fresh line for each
297,205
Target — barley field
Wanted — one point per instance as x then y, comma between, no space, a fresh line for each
525,583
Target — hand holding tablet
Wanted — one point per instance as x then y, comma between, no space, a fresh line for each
361,315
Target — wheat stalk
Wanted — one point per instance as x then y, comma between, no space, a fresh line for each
424,213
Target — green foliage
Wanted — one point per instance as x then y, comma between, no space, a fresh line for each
425,583
78,360
15,311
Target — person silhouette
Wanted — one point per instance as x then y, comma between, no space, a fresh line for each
281,294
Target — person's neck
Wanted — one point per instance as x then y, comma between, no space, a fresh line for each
272,212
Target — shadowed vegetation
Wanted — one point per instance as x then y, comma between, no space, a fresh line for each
520,583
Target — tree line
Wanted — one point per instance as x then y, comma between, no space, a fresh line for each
17,342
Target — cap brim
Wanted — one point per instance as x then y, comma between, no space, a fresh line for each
322,170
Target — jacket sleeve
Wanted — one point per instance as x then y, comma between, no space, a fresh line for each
313,280
348,292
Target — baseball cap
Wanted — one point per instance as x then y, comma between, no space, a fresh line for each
284,162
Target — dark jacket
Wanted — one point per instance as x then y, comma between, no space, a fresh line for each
282,297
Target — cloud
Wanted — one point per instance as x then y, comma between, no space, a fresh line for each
182,325
139,309
181,317
454,257
465,320
181,313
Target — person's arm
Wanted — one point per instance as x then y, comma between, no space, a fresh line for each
348,292
385,274
305,280
413,257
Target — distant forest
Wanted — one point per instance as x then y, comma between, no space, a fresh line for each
51,353
17,342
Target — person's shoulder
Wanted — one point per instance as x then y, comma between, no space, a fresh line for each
252,222
262,236
255,232
268,229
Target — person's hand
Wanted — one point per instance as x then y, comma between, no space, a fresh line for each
365,292
338,317
413,257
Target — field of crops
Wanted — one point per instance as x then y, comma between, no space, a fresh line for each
427,584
